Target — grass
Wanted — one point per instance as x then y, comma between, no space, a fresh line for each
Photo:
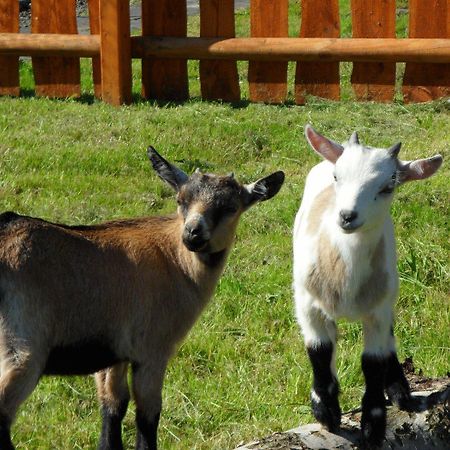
243,371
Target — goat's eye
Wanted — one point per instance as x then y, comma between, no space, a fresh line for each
229,210
387,190
335,177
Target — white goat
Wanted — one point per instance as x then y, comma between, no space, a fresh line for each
82,299
345,266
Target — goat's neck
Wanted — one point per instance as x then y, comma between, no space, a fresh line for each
203,269
358,245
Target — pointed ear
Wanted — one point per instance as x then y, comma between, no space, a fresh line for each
263,189
168,172
419,169
326,148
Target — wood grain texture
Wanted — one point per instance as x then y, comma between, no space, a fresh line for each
9,23
218,79
268,81
115,54
94,25
162,79
425,82
373,19
320,18
55,76
291,49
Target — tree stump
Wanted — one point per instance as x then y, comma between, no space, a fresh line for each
422,430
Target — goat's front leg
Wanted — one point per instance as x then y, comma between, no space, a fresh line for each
147,387
375,364
113,393
320,340
397,387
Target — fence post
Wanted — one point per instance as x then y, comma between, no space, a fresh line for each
94,26
55,76
218,79
115,51
164,79
320,18
268,80
373,19
9,23
425,82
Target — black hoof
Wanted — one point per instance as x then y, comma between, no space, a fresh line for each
373,427
327,411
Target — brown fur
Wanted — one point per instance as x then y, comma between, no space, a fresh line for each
375,288
323,201
326,278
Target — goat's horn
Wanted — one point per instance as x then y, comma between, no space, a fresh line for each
354,139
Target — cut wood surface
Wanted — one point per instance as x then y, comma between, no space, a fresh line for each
268,81
425,82
218,79
55,76
320,19
373,19
429,429
164,80
9,23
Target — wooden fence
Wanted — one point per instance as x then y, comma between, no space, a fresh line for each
56,48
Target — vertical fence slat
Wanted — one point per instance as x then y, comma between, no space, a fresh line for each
218,79
373,19
320,18
164,79
268,80
55,76
115,51
425,82
9,73
94,26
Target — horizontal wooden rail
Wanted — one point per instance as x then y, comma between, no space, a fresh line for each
258,49
294,49
40,44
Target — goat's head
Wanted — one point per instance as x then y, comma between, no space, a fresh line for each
366,177
210,205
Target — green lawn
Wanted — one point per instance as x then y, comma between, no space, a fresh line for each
243,371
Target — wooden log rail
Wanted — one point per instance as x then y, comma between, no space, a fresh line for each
294,49
246,49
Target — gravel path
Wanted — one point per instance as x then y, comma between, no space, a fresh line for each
83,19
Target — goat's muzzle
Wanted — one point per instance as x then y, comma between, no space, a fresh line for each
195,237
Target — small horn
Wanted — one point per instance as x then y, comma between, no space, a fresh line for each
393,151
231,175
354,139
197,170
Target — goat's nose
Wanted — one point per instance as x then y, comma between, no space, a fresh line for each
193,231
348,216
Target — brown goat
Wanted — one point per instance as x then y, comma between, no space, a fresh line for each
86,299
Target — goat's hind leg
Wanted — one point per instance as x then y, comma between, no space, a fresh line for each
375,361
320,339
113,394
19,376
396,385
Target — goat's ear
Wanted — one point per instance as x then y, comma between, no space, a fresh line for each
326,148
168,172
263,189
419,169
